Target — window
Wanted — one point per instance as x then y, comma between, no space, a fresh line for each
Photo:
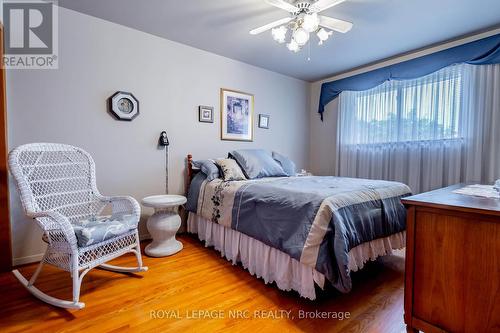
423,109
428,132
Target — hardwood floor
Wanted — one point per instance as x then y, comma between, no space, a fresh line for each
195,280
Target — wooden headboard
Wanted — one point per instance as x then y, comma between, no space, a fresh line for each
191,171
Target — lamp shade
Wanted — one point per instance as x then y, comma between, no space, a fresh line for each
301,36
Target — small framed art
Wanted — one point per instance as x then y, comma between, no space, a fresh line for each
236,115
264,121
205,114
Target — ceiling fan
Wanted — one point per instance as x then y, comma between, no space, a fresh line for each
304,19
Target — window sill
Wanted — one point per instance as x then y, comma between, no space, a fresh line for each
435,142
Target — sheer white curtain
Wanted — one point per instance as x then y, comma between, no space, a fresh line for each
428,132
482,123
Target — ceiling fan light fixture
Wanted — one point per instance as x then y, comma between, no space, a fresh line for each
301,36
310,22
293,46
304,19
279,34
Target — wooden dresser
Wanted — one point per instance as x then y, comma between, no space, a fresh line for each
452,281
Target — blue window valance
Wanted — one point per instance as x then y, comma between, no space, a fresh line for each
481,52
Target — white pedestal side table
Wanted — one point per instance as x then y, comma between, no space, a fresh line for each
164,224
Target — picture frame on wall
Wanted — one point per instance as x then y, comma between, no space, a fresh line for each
205,114
236,115
264,121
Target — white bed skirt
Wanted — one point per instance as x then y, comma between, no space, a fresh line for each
273,265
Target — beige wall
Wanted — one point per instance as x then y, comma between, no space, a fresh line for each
98,58
323,134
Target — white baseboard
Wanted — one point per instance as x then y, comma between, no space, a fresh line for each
37,257
27,259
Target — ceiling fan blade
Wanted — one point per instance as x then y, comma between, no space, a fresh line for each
321,5
270,26
334,24
283,5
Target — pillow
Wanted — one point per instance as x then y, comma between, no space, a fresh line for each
286,163
257,163
230,169
209,168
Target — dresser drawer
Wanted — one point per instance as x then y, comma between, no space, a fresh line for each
456,271
452,272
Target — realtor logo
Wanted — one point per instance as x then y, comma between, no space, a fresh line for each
30,34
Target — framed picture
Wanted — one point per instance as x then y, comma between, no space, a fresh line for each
263,120
206,114
236,115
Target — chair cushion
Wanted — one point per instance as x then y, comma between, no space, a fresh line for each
100,228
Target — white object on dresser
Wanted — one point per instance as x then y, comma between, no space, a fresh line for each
304,173
497,185
486,191
164,224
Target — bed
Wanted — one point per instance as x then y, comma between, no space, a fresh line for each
300,231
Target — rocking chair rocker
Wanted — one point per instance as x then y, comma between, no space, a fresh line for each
58,190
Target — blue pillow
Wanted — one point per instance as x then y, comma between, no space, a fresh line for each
209,168
257,163
286,163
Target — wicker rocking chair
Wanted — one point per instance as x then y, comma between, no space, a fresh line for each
58,190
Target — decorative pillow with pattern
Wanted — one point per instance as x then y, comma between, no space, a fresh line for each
230,169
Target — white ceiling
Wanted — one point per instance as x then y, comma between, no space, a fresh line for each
382,28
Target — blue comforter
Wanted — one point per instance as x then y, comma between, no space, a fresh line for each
315,220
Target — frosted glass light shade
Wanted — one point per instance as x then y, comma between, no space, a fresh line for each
323,35
310,22
293,46
301,36
279,34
